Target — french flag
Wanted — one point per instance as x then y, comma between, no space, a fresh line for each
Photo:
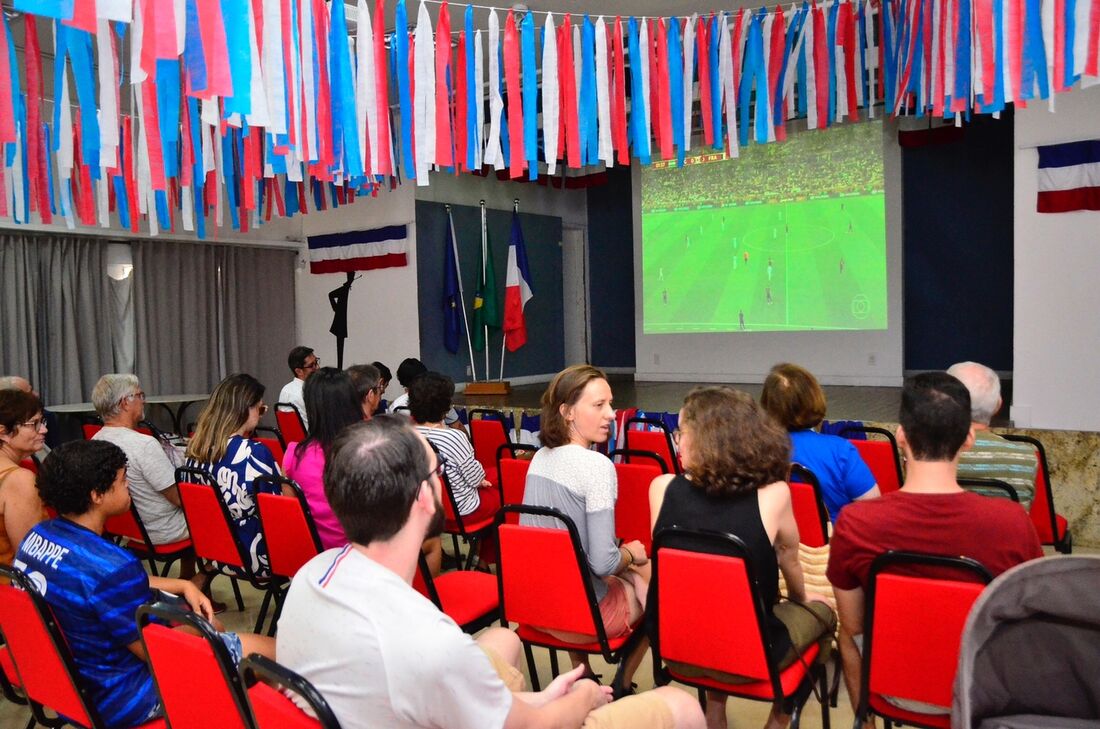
517,289
359,250
1069,177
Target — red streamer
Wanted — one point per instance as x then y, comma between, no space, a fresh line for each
618,112
567,83
517,158
702,52
382,93
778,43
444,141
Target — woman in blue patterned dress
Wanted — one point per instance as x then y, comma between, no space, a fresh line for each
221,447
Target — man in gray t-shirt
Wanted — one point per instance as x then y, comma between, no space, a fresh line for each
119,400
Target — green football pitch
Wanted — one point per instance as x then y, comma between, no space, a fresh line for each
804,265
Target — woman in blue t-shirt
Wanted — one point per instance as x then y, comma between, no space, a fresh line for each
794,398
221,447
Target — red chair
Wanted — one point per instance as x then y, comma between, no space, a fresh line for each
30,463
655,441
468,598
214,538
290,422
558,595
512,471
129,525
195,677
274,442
41,658
289,533
632,517
809,507
1052,527
709,613
92,426
267,687
472,531
881,456
912,631
488,435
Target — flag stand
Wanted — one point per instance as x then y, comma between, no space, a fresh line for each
486,387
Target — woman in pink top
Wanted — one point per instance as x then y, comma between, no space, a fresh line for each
331,406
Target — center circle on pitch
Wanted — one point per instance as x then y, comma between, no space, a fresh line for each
803,237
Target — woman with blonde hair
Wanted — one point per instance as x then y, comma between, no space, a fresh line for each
736,460
566,474
221,447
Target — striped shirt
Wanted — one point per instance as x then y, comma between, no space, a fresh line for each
464,473
94,588
994,457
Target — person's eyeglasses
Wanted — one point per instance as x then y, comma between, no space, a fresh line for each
140,395
438,470
312,365
36,424
263,410
379,389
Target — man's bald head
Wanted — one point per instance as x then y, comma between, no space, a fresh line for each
15,382
984,386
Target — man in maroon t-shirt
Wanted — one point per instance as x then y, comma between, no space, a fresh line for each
930,514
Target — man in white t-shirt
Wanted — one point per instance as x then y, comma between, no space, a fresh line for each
382,654
303,363
120,402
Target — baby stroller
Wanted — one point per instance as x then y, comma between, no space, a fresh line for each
1030,654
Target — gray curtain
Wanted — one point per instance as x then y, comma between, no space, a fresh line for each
204,311
56,313
258,291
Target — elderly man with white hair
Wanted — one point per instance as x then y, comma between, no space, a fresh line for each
15,382
120,402
993,456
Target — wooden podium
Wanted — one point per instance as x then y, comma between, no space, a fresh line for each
488,387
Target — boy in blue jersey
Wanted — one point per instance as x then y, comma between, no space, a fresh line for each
95,587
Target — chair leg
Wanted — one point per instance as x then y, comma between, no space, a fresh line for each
472,545
531,669
260,619
823,688
153,567
458,552
553,664
237,594
280,598
834,690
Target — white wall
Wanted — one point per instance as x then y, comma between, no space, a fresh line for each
382,307
569,205
1056,329
836,358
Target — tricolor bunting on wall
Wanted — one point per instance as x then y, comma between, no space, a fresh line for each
1069,177
359,250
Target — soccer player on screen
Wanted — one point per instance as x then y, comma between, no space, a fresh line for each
768,294
741,319
745,256
664,296
769,269
842,264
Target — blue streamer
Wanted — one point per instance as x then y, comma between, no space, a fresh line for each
164,220
229,171
752,68
834,14
889,55
794,29
587,110
639,139
194,60
530,96
1068,77
676,86
343,92
291,194
56,9
401,61
999,38
505,146
198,174
235,14
473,110
78,47
60,53
168,113
716,80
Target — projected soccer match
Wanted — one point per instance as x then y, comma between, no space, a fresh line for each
787,237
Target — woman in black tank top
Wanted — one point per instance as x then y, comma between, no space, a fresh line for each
737,459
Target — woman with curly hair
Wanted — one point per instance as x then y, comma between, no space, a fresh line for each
736,459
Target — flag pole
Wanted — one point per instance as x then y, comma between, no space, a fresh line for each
461,294
515,210
484,253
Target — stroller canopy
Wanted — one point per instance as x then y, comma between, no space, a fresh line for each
1030,653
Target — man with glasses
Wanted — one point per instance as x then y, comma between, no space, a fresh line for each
382,654
303,363
367,381
120,402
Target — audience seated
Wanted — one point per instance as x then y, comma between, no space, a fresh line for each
22,432
385,375
736,460
407,372
382,654
302,362
120,403
930,514
221,447
993,456
566,474
367,381
794,398
429,400
94,586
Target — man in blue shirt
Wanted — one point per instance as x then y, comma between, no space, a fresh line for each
95,587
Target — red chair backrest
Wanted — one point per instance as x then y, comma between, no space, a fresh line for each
272,709
40,654
125,525
1040,505
90,429
190,680
274,446
287,533
879,456
488,435
916,631
707,614
513,482
30,464
653,441
210,532
805,502
552,596
290,423
632,517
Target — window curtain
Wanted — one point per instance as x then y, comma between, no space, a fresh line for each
55,313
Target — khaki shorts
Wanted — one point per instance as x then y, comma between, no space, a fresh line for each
641,711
